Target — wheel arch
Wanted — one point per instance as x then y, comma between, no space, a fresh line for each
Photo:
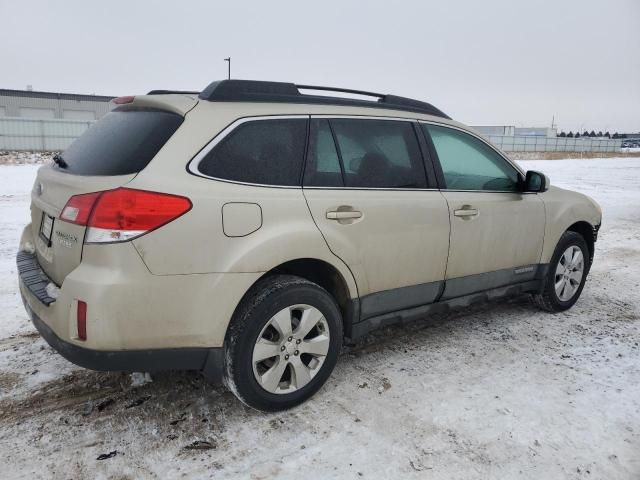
588,232
326,275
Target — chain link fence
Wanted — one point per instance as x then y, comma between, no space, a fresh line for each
518,143
39,135
52,135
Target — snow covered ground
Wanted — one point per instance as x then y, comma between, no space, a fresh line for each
494,391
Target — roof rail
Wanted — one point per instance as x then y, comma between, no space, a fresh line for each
281,92
169,92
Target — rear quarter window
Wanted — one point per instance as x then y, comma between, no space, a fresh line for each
121,142
265,152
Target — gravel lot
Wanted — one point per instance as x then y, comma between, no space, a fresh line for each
495,391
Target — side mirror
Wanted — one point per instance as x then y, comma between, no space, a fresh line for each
536,182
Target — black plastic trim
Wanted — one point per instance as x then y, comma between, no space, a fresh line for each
336,145
458,287
410,314
395,305
427,159
33,277
399,298
282,92
433,157
172,92
595,229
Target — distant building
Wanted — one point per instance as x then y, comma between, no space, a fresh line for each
51,105
510,131
536,132
634,136
487,130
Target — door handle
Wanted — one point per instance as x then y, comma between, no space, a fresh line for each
343,215
466,211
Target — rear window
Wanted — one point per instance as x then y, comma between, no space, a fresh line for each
121,143
267,152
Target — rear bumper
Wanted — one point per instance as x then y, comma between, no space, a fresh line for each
209,360
45,312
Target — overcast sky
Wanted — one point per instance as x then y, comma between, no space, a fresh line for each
481,61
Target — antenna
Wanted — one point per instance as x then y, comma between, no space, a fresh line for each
228,60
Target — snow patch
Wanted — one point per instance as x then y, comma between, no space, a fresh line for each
139,379
52,290
29,248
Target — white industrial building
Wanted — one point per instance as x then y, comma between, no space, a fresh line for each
510,131
487,130
51,105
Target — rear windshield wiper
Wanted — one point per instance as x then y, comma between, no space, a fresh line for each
60,161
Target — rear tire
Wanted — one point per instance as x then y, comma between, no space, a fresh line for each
282,344
567,274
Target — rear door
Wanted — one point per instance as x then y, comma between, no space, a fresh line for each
366,187
496,230
106,156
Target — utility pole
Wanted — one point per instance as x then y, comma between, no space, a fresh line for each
228,60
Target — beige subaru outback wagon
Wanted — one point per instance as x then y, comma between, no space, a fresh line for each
250,229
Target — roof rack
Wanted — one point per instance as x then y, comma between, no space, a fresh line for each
281,92
169,92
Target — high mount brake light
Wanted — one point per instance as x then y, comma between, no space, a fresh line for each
123,100
123,214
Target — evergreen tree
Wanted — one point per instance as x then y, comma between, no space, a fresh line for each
570,135
608,135
592,134
562,134
615,135
577,134
600,134
585,134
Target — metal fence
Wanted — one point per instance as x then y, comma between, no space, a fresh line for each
39,135
52,135
519,143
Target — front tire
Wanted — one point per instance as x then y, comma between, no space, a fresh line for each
283,343
567,274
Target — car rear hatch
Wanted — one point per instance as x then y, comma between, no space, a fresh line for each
105,157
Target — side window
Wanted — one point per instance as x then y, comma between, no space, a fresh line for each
469,164
268,152
323,164
379,153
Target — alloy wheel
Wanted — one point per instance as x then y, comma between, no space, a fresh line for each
569,273
290,349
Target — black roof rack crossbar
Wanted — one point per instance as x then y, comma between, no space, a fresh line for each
281,92
341,90
169,92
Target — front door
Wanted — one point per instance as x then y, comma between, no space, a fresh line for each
496,230
366,188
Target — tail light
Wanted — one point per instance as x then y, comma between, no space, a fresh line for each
123,214
78,208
